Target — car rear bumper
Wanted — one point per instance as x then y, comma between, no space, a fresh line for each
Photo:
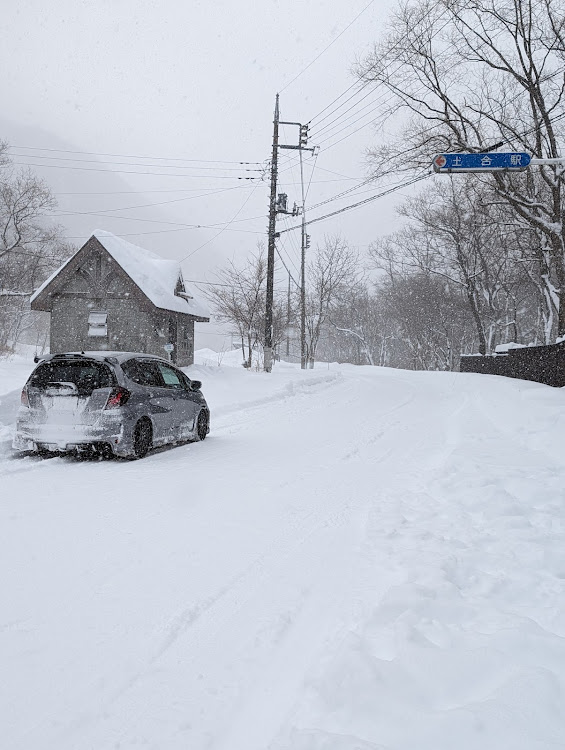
63,438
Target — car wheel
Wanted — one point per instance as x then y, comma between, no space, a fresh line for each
202,425
142,438
45,452
105,451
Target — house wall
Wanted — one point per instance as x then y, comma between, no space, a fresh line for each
133,323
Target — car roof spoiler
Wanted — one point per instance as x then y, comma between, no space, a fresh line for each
73,355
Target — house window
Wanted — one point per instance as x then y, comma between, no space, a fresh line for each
98,324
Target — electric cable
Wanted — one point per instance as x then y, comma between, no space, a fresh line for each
334,40
150,205
317,133
367,83
169,231
129,171
286,267
144,191
360,203
135,156
225,228
134,164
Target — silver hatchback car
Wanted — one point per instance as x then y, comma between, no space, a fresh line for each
118,403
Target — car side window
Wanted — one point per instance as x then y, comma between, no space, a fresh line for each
171,377
185,380
142,372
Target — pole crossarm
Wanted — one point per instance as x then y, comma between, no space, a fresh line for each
299,148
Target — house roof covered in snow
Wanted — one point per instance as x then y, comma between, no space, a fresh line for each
157,278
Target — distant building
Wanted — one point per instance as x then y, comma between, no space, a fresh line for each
112,295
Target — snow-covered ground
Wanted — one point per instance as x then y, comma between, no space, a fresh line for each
355,559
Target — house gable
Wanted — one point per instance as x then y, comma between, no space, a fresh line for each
91,273
120,270
112,295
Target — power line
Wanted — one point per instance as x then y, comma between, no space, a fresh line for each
295,247
353,85
362,127
288,255
286,267
504,142
144,191
383,100
334,40
225,228
149,205
135,164
208,283
168,231
339,127
134,156
340,195
339,121
369,82
312,172
151,221
129,171
316,133
39,255
294,161
314,182
546,77
361,203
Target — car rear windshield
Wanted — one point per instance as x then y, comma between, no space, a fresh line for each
87,375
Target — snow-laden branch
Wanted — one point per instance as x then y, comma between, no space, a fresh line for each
361,338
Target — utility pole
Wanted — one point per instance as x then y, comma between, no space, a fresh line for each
278,205
303,362
288,319
304,243
268,349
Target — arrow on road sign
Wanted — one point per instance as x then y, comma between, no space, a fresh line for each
489,162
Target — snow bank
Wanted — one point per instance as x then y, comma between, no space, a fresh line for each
355,559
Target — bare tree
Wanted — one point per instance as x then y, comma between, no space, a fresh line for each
429,322
476,75
359,330
455,232
335,267
31,247
239,299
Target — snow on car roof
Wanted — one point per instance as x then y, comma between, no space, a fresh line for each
157,277
99,354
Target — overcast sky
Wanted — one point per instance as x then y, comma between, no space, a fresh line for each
187,80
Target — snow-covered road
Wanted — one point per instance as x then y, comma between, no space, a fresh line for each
355,559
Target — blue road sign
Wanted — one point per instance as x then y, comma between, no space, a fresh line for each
490,162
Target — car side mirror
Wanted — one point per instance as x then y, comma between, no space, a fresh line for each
195,385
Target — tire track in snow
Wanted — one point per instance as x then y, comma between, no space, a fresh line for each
298,559
197,630
199,634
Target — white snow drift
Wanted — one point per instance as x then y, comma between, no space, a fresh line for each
355,559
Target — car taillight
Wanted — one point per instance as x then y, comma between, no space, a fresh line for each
24,397
117,397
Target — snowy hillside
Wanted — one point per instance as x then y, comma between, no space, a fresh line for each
355,559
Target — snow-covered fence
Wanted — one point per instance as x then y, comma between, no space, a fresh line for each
543,364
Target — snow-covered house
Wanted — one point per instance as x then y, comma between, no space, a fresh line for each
114,295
